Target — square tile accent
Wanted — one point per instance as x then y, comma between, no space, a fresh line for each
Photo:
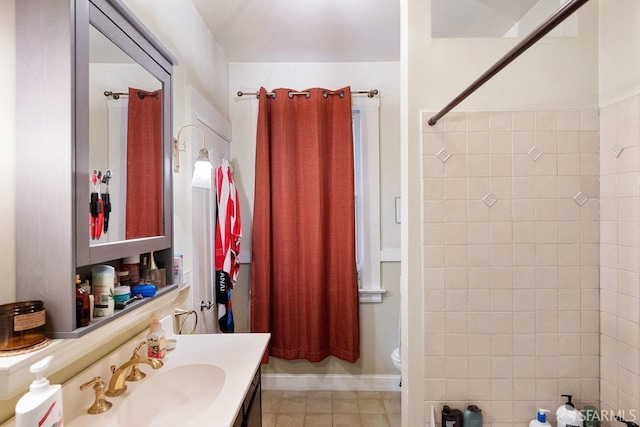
443,155
534,154
489,199
617,150
580,198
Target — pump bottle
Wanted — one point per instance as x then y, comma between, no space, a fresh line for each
156,340
541,419
567,415
42,405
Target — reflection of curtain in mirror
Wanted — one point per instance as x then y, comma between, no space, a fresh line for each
144,165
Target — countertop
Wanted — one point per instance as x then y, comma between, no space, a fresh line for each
238,355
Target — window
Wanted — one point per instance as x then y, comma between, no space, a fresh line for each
366,141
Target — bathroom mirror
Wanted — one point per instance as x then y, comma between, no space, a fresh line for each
114,118
128,135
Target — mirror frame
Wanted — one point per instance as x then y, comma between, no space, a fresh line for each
117,23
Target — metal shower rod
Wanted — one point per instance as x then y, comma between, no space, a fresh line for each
540,31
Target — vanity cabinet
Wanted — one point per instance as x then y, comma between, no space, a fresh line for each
251,411
53,122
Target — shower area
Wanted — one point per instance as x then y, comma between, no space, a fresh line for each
529,213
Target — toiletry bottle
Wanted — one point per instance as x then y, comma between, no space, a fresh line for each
86,286
123,278
591,416
103,279
155,340
451,417
82,305
567,415
541,419
92,306
42,405
178,267
132,265
472,417
152,274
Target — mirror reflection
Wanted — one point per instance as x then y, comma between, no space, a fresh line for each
125,154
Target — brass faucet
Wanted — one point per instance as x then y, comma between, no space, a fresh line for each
136,374
118,385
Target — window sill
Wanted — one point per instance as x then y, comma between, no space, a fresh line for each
368,296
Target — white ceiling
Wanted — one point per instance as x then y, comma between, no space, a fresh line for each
476,18
343,30
304,30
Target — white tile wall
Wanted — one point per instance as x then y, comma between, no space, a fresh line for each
511,261
619,256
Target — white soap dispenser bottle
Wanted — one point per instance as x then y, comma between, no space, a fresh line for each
42,405
567,415
541,419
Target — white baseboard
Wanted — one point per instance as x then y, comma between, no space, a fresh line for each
311,382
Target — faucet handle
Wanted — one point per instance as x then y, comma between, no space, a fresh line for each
100,404
135,350
136,374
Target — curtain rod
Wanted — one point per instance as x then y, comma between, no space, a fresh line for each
370,93
540,31
117,95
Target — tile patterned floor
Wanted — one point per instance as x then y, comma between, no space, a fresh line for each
330,408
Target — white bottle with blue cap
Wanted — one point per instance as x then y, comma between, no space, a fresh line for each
541,419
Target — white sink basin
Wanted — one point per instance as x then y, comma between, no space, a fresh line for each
172,397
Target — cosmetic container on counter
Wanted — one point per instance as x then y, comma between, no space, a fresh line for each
156,346
22,324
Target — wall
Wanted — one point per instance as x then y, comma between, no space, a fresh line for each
620,257
511,284
557,74
379,321
619,50
620,206
7,160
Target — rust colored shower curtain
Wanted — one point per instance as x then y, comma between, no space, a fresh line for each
304,288
144,164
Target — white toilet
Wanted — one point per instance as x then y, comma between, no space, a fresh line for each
395,358
395,355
